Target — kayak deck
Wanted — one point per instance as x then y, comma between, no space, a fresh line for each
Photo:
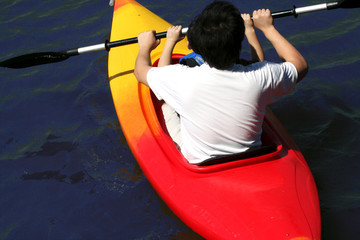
271,196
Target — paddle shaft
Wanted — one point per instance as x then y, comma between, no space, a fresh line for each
285,13
313,8
107,45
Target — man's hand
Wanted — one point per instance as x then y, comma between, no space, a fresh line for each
174,35
247,21
263,19
147,41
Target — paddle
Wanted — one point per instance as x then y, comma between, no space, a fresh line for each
33,59
318,7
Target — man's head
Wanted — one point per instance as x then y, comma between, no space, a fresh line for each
216,34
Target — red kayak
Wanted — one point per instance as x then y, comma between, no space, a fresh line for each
266,194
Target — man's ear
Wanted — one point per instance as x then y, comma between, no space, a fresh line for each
188,45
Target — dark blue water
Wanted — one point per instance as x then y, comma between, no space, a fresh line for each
65,169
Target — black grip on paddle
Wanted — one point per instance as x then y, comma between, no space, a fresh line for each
71,52
285,13
109,45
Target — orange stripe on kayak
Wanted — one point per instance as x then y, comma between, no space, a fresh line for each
120,3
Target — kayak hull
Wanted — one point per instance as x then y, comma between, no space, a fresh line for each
271,196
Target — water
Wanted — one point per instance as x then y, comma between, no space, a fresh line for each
65,169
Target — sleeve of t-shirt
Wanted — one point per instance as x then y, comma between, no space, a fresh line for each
283,78
167,83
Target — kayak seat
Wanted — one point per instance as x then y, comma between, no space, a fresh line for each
262,150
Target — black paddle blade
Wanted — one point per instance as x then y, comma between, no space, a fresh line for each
350,4
33,59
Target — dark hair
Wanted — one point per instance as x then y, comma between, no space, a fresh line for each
216,34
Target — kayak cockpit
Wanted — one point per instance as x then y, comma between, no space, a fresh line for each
270,149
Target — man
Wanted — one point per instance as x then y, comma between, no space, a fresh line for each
221,104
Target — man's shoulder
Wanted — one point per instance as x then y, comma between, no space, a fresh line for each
268,65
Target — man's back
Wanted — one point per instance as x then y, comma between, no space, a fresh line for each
221,111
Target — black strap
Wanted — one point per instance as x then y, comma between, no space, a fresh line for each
262,150
189,62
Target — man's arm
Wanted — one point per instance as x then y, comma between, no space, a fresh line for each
256,51
286,51
172,37
147,42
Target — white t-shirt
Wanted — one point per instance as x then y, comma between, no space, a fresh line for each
221,111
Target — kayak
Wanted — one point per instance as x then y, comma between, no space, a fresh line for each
266,194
